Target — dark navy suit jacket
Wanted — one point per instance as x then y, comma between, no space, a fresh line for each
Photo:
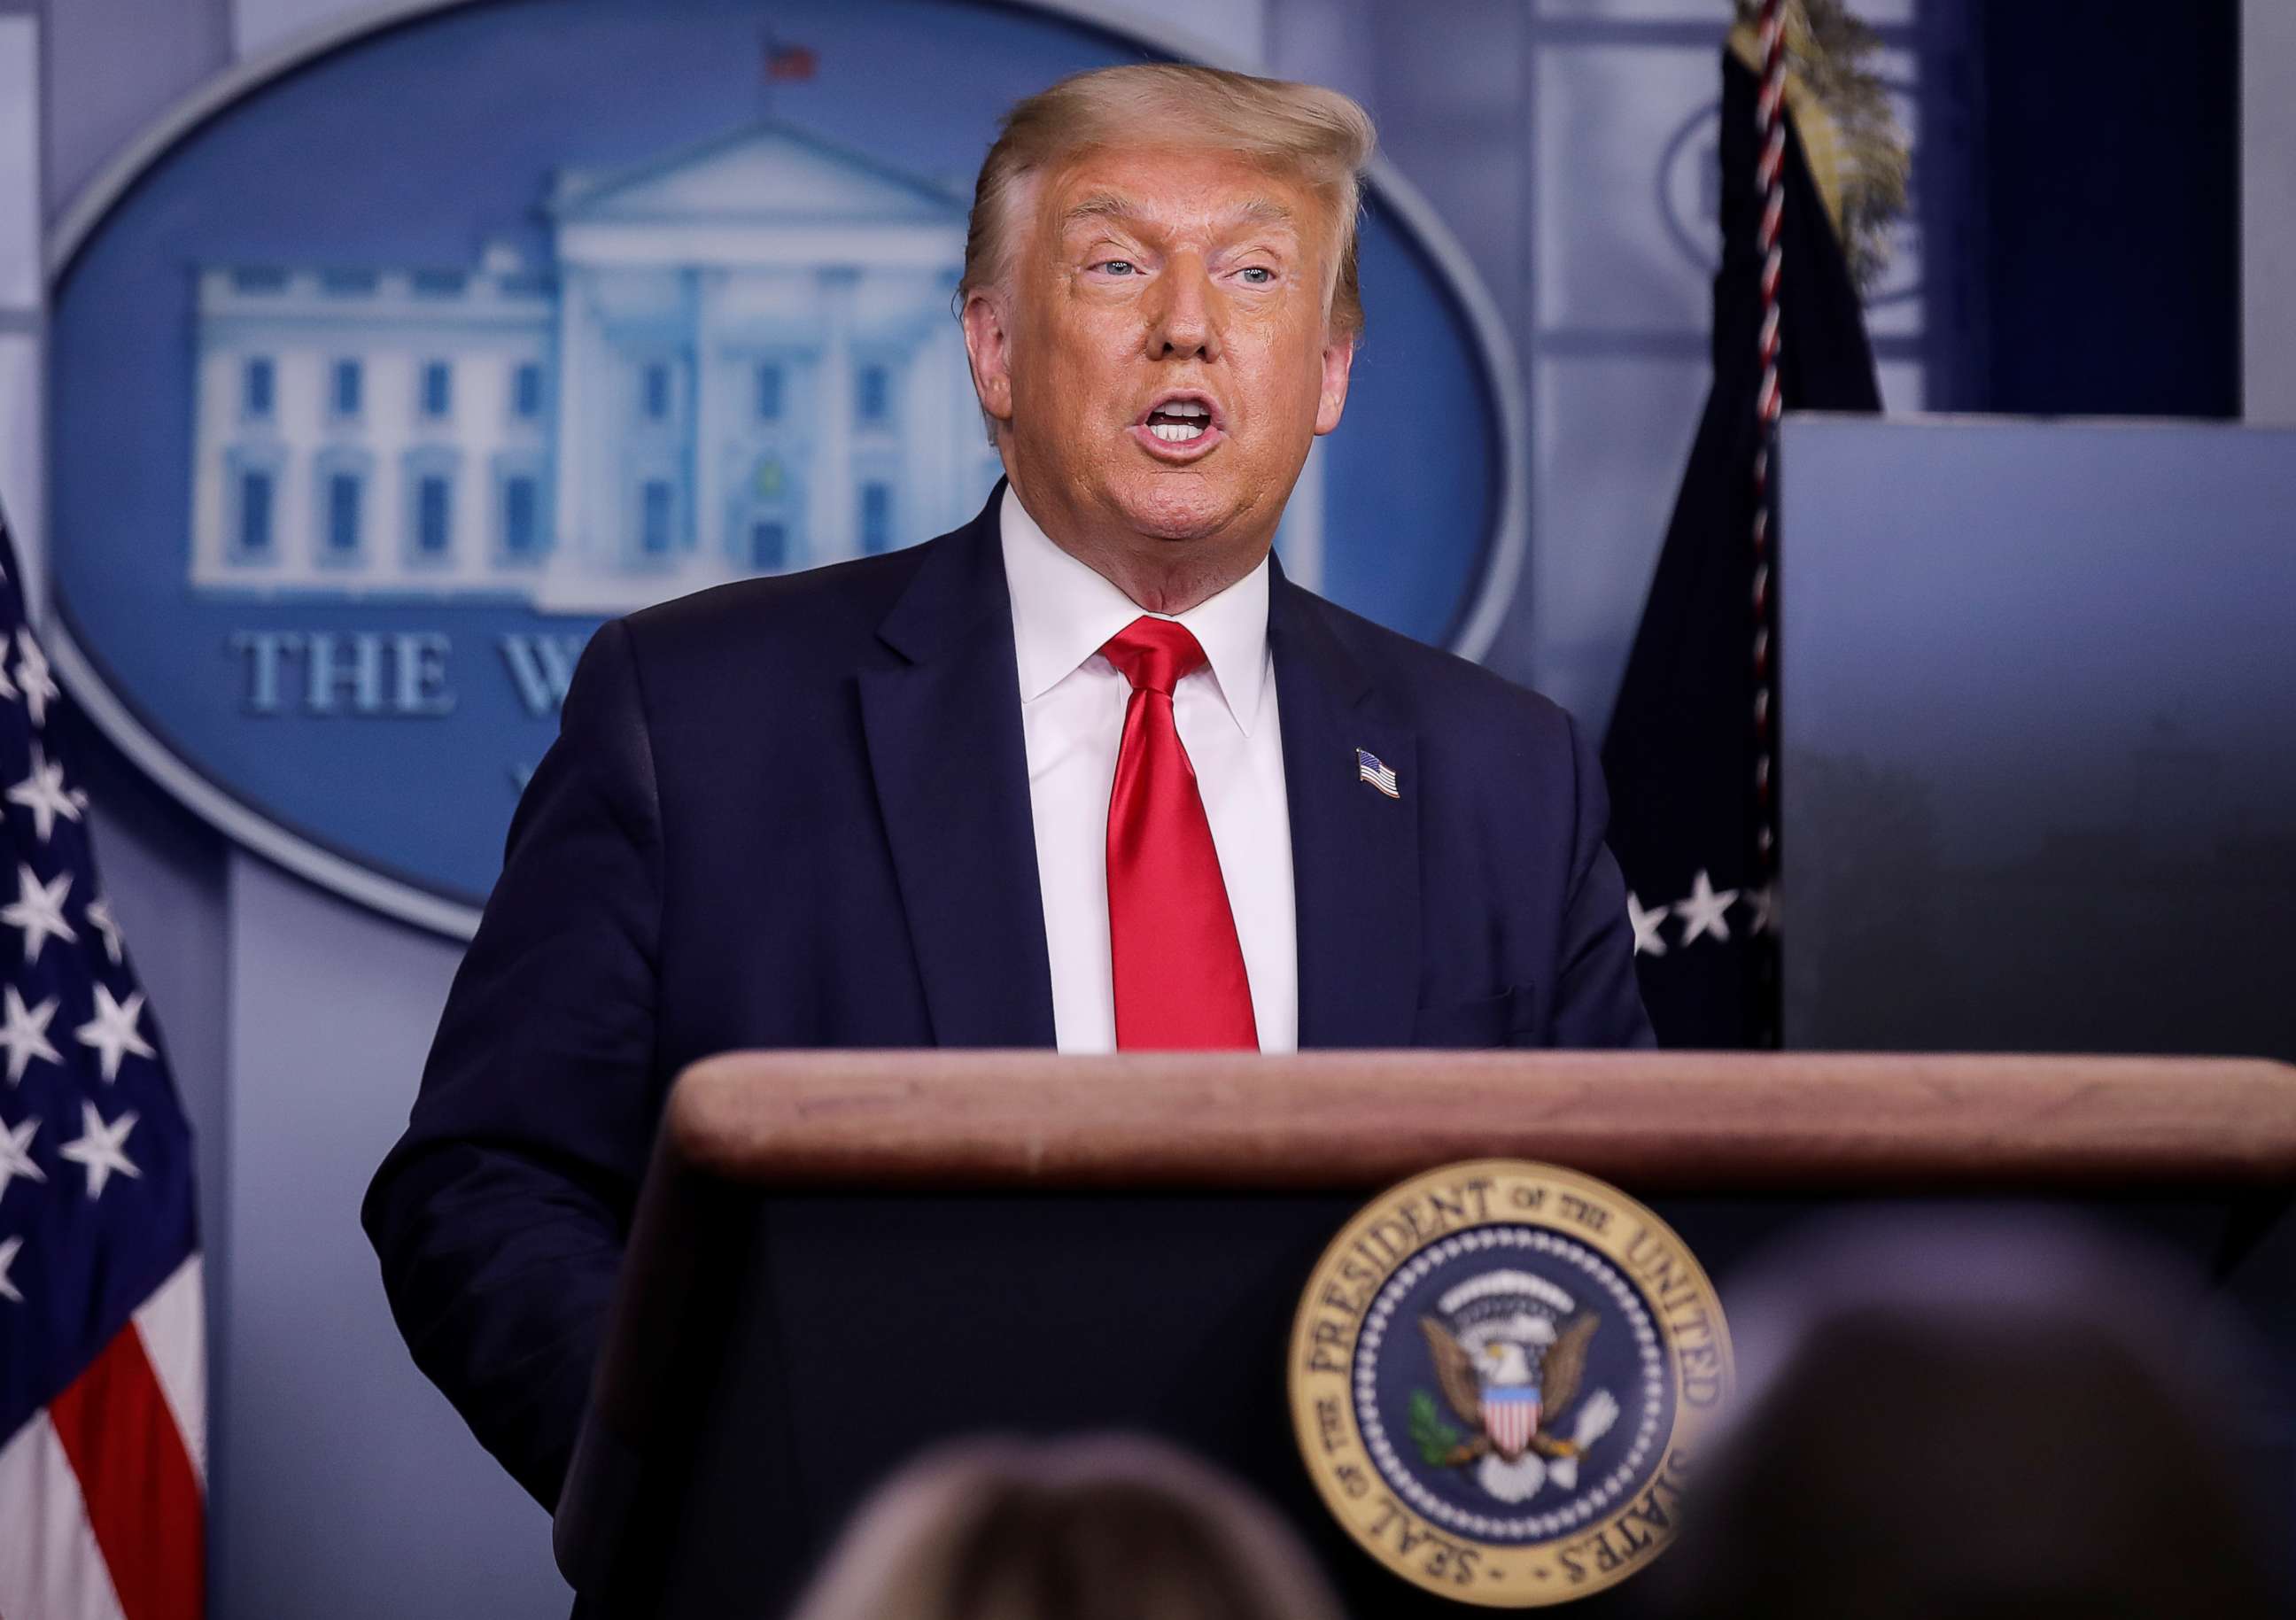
794,812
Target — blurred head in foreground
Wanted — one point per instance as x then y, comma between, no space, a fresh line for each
1975,1419
1106,1528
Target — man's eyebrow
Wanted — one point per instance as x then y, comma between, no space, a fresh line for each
1115,206
1099,206
1263,210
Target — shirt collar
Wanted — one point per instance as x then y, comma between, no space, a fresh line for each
1064,613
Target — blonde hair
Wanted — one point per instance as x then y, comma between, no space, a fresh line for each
1114,1527
1320,135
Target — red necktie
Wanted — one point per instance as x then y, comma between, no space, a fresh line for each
1178,969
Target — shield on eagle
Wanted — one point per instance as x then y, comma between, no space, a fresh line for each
1511,1416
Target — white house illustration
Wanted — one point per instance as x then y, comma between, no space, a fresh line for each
741,361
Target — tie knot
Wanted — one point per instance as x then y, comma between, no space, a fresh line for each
1154,653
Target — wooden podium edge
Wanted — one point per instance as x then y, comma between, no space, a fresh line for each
1676,1122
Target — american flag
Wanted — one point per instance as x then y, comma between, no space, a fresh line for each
790,62
103,1356
1369,769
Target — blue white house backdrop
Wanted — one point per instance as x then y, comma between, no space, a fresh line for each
383,372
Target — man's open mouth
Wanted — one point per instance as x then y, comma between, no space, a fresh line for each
1180,420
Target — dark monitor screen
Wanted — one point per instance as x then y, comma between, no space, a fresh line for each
2037,691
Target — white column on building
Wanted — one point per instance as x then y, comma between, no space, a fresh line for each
474,366
829,493
711,392
215,376
571,542
308,368
384,431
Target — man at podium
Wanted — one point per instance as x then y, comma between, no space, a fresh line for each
1086,772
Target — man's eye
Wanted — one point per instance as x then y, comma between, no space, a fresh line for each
1117,266
1257,276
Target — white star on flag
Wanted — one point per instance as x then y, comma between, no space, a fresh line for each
112,1030
8,1258
39,689
43,794
25,1032
98,1150
16,1155
32,673
1648,940
1701,912
98,912
38,910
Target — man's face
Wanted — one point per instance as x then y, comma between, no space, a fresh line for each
1161,362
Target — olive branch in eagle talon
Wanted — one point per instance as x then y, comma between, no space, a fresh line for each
1559,1375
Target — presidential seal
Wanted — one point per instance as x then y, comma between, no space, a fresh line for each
1501,1374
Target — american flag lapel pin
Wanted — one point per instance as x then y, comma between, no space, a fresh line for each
1369,769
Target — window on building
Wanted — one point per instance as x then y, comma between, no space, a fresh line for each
438,388
347,380
657,392
876,517
255,515
256,382
769,392
770,546
526,392
433,511
521,530
654,517
342,513
873,394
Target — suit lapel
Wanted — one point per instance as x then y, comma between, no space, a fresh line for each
1355,852
952,774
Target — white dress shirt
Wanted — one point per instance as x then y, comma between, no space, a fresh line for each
1072,703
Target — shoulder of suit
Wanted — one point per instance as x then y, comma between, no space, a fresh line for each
819,618
1440,693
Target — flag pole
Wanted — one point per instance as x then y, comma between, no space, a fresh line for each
1769,174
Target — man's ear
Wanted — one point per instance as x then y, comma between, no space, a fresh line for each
989,350
1339,360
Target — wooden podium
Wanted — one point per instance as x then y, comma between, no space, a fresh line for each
840,1258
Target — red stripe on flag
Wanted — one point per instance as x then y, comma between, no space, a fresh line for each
136,1477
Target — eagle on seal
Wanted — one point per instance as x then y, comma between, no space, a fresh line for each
1512,1362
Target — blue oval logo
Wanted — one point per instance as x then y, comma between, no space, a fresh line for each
402,365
